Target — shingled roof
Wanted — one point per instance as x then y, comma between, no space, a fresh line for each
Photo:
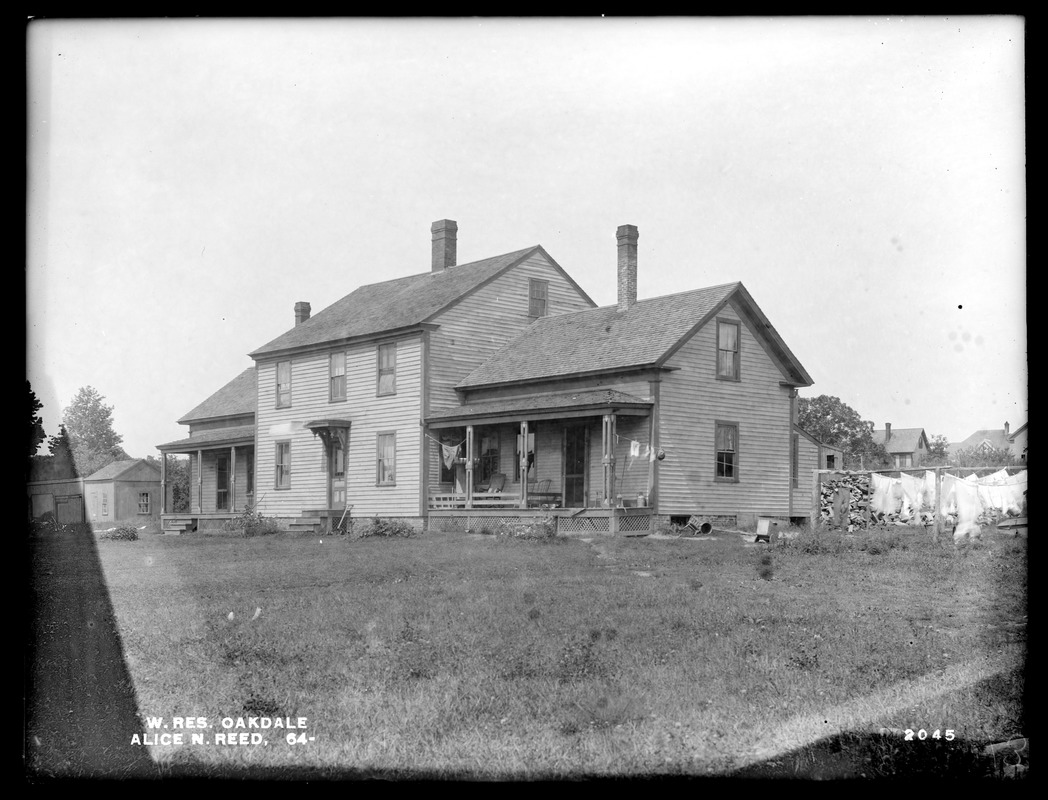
396,304
604,339
117,468
541,403
903,440
241,434
234,399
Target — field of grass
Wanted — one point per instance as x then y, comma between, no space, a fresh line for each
455,655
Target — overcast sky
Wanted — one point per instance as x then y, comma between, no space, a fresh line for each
190,180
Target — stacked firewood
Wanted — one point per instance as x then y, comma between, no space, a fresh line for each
844,500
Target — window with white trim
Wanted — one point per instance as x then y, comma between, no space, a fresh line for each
538,297
386,459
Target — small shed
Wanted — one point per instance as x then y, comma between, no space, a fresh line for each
124,491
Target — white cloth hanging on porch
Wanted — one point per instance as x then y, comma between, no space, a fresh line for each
450,454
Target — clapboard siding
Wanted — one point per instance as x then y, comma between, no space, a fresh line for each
692,400
369,414
807,460
474,328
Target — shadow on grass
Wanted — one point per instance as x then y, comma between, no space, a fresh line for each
80,707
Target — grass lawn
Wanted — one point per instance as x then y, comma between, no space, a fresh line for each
457,655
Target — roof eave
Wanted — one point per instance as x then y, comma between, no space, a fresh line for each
346,341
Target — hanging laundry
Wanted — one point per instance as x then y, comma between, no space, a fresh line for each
450,453
963,496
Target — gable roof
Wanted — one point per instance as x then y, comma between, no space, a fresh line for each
904,440
995,437
234,399
797,428
113,471
604,339
400,303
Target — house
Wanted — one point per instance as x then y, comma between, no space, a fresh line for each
908,447
221,450
124,491
997,439
810,454
494,390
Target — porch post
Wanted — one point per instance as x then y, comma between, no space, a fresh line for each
524,464
233,477
469,466
200,481
163,482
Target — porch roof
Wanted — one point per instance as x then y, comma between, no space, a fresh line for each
206,440
542,406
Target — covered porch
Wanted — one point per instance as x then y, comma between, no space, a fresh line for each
584,459
221,477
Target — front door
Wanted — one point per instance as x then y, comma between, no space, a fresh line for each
222,482
337,472
575,439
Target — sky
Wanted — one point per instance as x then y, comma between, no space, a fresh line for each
189,180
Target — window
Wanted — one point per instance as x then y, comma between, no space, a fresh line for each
831,462
337,373
727,350
387,459
283,384
387,369
531,456
105,504
143,502
283,465
727,446
538,297
795,467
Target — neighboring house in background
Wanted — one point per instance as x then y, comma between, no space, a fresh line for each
411,397
996,438
908,447
124,491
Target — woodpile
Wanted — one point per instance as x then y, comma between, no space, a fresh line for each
844,500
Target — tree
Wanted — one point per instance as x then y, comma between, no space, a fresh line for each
984,457
36,423
89,423
938,451
63,462
835,423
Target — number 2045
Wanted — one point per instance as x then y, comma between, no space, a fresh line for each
922,734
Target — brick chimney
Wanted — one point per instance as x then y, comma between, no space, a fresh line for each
1006,429
445,244
887,432
627,236
301,312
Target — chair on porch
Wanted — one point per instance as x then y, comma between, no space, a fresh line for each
497,483
539,492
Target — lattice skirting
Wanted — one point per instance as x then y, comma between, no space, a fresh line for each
582,525
633,524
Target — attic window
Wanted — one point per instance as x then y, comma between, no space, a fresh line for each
538,297
727,350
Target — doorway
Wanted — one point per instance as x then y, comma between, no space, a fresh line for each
576,443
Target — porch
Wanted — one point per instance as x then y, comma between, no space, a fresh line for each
584,459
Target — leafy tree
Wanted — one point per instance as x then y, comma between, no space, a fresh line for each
835,423
63,462
36,423
984,457
89,423
938,452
